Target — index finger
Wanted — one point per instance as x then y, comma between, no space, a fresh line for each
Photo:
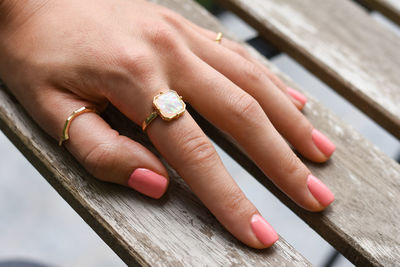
191,153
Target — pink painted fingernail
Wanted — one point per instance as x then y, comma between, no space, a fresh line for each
263,230
148,183
297,95
323,143
320,191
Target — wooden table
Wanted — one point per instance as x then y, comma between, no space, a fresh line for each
339,42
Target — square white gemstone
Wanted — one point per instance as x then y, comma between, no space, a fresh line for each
169,104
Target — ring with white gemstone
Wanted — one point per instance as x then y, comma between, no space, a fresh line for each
168,105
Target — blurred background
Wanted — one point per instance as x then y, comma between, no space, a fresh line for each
37,225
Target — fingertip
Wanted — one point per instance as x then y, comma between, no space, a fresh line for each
326,146
148,183
319,148
298,98
265,234
320,192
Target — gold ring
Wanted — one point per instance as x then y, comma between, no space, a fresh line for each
76,113
168,105
219,38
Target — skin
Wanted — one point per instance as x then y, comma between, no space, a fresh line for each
58,56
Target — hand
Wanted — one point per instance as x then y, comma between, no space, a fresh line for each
58,56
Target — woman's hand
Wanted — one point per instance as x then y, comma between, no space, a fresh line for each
58,56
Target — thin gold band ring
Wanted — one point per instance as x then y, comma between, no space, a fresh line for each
76,113
219,38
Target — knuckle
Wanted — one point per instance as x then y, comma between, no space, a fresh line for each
164,38
100,159
138,62
241,50
237,202
302,124
198,150
292,165
162,33
246,108
253,73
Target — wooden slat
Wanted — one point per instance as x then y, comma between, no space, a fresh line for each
174,231
389,8
341,44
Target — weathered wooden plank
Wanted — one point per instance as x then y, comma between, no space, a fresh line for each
341,44
389,8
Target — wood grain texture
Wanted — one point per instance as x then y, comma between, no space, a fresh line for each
389,8
341,44
177,230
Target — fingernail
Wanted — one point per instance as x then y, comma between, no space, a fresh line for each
263,230
297,95
320,191
148,183
323,143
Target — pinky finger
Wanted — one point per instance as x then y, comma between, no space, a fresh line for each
298,99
